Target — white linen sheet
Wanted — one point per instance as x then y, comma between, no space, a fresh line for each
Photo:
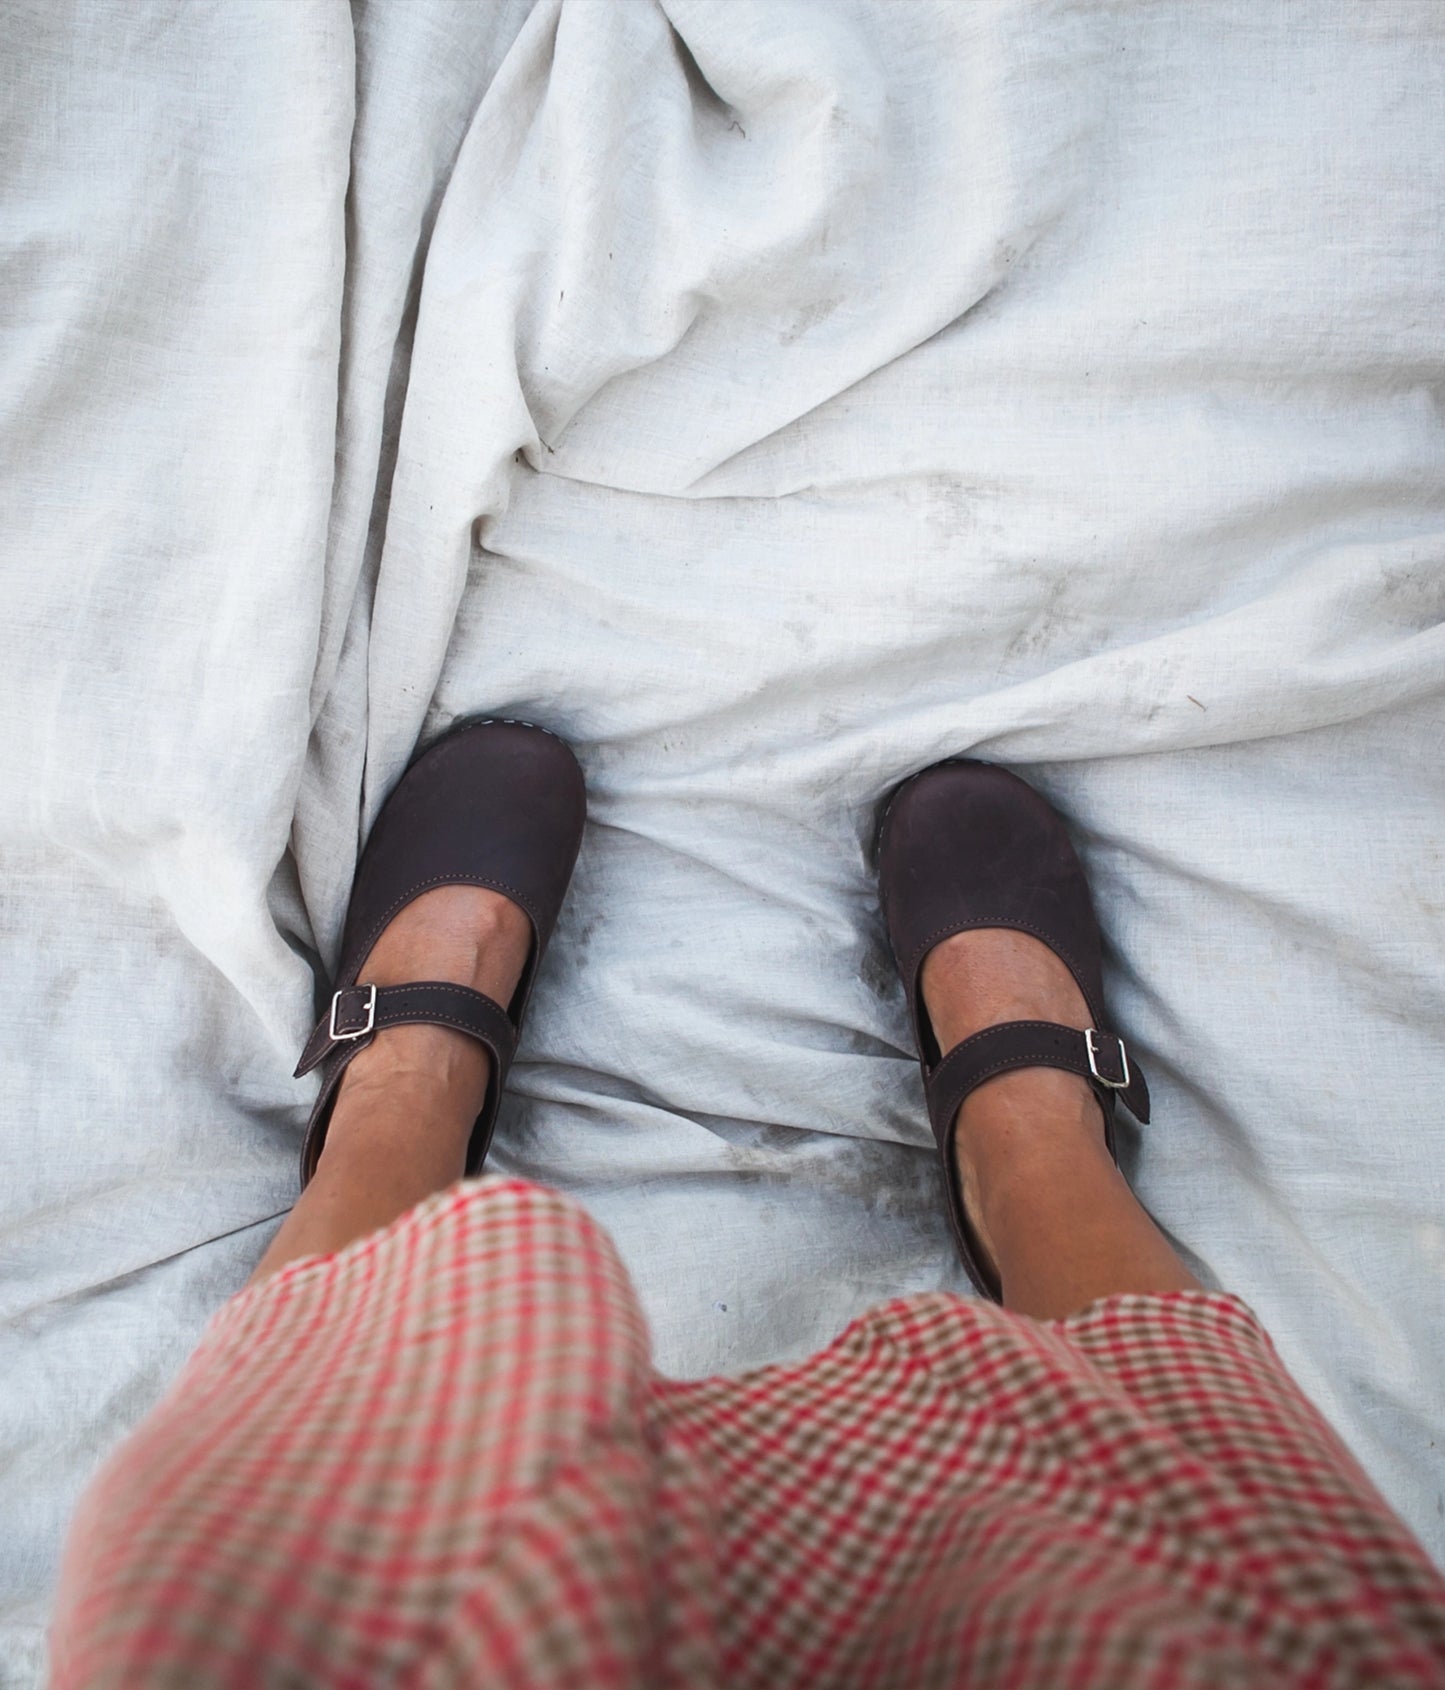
771,398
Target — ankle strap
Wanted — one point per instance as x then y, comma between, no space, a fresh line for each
1096,1056
358,1013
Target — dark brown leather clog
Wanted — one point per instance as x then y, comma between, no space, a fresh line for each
967,845
491,803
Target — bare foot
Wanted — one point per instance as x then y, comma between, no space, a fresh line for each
976,980
463,934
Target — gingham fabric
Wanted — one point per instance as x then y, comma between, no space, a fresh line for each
441,1458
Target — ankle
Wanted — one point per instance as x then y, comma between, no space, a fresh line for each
1030,1124
414,1074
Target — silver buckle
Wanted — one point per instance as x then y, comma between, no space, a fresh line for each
358,1032
1091,1045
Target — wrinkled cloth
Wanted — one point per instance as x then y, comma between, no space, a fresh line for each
771,397
441,1457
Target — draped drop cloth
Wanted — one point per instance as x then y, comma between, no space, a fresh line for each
771,398
441,1458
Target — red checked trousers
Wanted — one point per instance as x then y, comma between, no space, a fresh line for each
441,1458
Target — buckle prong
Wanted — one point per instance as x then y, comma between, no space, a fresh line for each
1091,1044
357,1032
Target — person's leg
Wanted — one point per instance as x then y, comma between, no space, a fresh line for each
1046,1201
407,1104
423,1460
